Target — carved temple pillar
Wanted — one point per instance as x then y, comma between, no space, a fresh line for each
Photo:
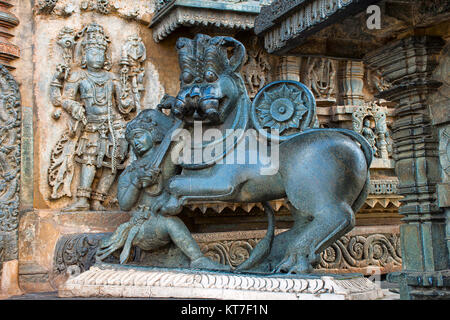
351,82
8,50
408,65
288,68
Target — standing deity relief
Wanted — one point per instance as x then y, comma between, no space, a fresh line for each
99,104
370,121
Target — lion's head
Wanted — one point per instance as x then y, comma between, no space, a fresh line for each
210,82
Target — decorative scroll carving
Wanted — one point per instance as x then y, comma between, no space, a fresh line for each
10,155
377,135
97,122
231,253
10,117
378,250
349,252
76,250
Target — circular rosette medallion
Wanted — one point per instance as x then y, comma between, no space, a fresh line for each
282,109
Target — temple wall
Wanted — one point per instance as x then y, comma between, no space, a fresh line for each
50,240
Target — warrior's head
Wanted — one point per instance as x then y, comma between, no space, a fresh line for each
147,130
210,80
94,47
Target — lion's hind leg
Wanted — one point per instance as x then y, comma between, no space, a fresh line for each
327,225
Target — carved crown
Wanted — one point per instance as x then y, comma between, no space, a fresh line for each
94,37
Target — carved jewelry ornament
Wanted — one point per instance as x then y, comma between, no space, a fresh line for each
286,106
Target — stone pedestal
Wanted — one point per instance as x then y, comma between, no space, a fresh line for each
129,282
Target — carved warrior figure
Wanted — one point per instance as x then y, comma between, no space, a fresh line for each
325,191
141,187
99,106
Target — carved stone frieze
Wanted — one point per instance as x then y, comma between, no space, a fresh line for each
10,155
226,15
351,253
97,282
299,17
130,10
338,28
77,251
378,187
347,254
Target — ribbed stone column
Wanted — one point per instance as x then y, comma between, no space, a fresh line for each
408,65
8,51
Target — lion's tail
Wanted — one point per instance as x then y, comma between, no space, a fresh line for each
262,249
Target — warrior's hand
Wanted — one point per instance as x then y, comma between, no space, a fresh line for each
78,112
150,177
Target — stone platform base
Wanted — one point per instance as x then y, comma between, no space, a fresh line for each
139,282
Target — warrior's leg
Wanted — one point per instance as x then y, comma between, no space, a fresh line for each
183,239
83,195
101,192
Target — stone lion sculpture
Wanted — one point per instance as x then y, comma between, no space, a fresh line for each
324,173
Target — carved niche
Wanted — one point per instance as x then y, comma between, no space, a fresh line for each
78,90
370,121
10,155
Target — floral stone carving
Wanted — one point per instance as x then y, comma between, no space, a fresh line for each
10,155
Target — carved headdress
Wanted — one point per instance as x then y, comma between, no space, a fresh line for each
94,37
152,121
